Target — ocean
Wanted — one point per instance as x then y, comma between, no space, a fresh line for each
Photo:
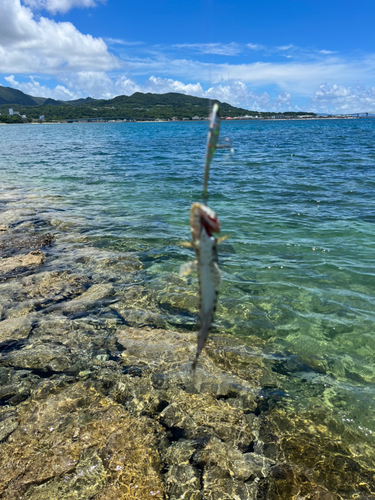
297,201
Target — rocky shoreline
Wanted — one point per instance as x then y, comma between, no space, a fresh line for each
97,399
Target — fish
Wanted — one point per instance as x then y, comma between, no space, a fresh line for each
204,222
212,140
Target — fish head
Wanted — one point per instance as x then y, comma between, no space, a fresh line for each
202,216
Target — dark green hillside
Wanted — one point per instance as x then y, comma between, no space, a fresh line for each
135,107
13,96
78,102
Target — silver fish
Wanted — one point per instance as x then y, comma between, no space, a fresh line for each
212,139
203,222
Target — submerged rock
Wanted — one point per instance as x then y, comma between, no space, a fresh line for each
16,328
318,457
91,411
78,444
8,423
11,244
42,357
21,264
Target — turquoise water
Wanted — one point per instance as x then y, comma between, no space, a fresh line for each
296,197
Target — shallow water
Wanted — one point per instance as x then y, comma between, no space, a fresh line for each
296,198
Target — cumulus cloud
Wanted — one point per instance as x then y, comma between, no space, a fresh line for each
99,85
34,88
297,77
160,85
34,46
340,99
62,6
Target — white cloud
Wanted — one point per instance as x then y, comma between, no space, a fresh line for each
285,47
230,49
159,85
99,85
256,46
62,6
45,46
326,99
339,99
297,77
326,52
120,41
34,88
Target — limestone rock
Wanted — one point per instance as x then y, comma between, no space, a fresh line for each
15,328
8,423
21,263
78,444
13,243
43,357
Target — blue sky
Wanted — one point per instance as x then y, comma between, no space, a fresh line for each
274,55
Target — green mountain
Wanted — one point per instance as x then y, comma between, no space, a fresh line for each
13,96
135,107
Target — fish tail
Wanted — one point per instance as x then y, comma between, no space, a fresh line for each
202,337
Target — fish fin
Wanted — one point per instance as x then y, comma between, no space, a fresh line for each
223,238
188,268
187,244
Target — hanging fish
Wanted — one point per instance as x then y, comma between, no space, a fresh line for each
204,222
212,139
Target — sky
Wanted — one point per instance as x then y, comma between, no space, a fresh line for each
274,55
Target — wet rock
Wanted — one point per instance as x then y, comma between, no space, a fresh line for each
57,285
21,264
317,456
10,244
138,307
243,467
183,482
182,479
202,416
15,328
217,487
168,356
40,291
89,299
8,423
78,444
16,385
286,481
41,357
87,479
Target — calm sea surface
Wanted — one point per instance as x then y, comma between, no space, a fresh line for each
296,197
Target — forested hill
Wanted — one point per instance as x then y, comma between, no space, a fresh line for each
135,107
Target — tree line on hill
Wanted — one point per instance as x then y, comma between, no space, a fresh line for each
135,107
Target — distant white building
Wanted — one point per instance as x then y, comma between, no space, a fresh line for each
11,112
41,118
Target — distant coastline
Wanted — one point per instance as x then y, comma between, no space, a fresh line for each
17,107
88,121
